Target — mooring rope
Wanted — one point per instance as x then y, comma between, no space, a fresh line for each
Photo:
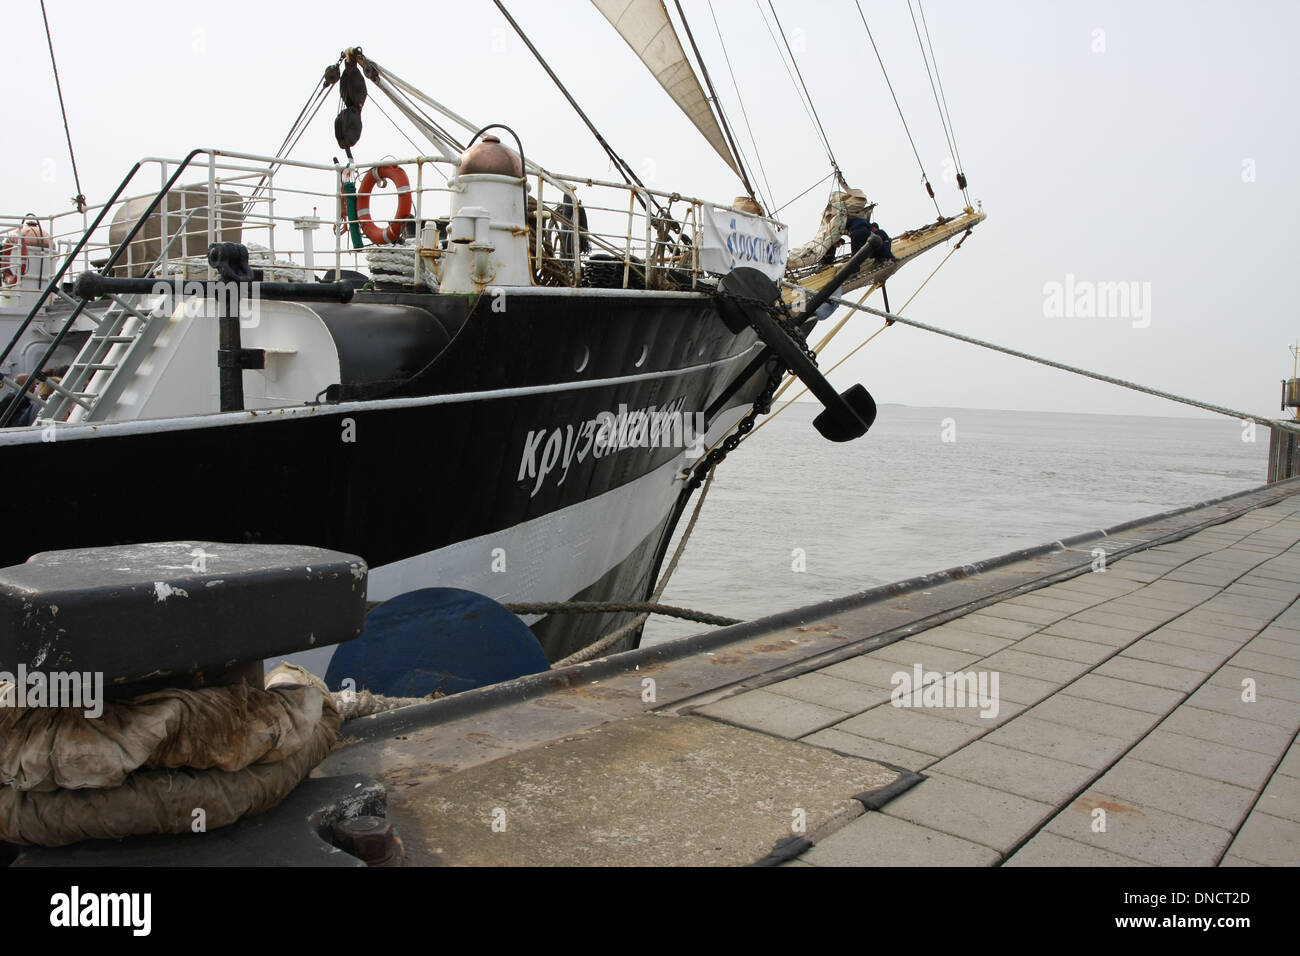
610,639
611,607
803,391
1050,363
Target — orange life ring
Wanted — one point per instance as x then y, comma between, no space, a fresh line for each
397,227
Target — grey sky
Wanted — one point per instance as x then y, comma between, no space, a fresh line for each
1123,164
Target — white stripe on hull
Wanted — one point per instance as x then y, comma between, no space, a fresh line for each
549,558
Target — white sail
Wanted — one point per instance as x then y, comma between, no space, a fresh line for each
644,24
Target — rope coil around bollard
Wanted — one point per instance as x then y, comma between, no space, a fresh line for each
161,762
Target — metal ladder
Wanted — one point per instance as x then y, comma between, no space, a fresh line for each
125,330
113,328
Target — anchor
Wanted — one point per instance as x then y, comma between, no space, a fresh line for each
847,415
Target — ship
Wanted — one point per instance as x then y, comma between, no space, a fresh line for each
513,388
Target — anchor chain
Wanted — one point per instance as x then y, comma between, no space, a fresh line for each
763,404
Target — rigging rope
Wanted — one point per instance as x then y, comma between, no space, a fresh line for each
961,175
629,175
319,94
781,56
743,112
816,119
401,132
609,640
943,122
722,116
430,127
924,178
80,199
804,193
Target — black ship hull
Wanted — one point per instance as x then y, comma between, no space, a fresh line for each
517,452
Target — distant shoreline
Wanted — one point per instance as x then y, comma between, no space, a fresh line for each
813,403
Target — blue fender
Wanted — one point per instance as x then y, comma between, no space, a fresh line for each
437,639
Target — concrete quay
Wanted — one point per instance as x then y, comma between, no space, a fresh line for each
1140,715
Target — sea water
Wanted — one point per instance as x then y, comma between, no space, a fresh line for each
793,519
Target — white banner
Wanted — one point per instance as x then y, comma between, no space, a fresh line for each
733,239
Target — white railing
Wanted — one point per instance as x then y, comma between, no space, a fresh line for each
632,236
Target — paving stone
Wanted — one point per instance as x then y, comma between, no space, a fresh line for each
1190,594
1096,584
1096,633
846,695
1142,574
908,653
1031,615
1137,608
864,670
876,839
983,623
1197,642
1000,710
1268,686
1053,602
993,818
1052,669
1260,591
1217,578
1276,632
912,728
1052,849
1246,606
1245,768
1084,714
1268,663
1269,579
1274,648
954,638
1145,834
1015,771
1146,649
1124,693
1193,623
1225,729
1269,840
1067,648
1147,672
1232,622
1281,798
1024,690
1227,700
1290,765
877,750
1112,619
1143,784
1230,859
773,713
1088,748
